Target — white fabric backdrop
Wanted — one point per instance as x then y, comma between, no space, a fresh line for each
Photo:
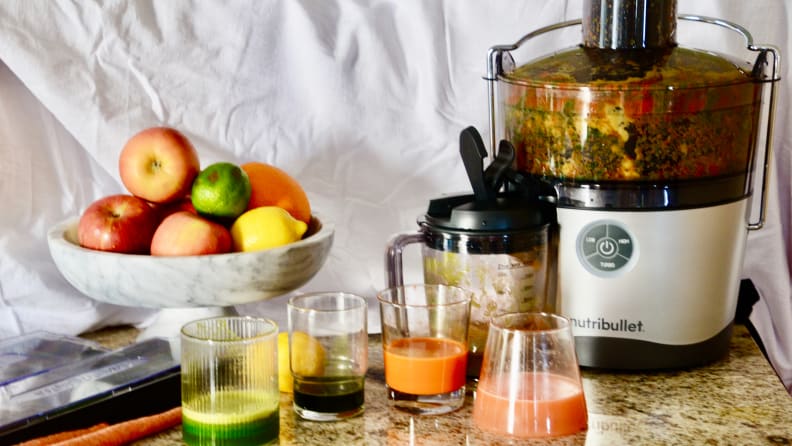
361,100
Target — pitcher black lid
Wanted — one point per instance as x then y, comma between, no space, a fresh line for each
506,212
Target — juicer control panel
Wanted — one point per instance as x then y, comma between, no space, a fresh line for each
605,247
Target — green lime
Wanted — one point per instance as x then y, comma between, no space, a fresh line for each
221,190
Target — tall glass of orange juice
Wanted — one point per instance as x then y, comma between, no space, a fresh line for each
424,341
530,382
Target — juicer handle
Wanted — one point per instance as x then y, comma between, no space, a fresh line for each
771,103
393,256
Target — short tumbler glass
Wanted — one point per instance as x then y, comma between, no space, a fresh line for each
328,339
424,341
229,381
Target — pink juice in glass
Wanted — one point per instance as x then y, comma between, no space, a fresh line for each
530,404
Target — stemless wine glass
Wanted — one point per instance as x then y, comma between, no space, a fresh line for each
530,382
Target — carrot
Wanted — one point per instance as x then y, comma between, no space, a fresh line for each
128,431
51,439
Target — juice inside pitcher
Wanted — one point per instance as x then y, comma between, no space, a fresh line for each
501,283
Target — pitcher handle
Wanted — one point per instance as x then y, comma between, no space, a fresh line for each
393,256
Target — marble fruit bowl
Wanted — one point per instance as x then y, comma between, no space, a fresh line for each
220,280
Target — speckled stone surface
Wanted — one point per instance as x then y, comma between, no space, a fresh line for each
735,401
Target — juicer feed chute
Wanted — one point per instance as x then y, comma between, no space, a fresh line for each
649,145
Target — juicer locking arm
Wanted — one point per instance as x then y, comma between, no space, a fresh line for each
765,69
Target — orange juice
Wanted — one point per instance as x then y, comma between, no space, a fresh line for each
546,405
425,366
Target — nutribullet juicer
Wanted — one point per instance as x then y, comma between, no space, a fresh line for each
651,148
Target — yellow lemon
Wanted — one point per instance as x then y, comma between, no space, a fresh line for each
285,381
307,358
307,354
265,227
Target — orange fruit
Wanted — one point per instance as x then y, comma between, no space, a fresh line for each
271,186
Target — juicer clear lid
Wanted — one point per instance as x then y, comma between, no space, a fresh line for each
669,69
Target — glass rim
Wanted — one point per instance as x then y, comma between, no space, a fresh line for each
560,322
466,295
337,295
270,332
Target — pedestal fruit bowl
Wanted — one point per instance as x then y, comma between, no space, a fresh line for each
215,282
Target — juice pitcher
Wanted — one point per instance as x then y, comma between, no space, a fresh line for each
499,243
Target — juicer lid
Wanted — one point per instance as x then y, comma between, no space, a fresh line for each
630,44
669,69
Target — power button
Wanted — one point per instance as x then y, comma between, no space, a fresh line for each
605,247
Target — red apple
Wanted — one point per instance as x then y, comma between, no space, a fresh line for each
118,223
165,209
184,233
159,165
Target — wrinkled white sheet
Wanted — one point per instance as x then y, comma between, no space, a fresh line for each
361,100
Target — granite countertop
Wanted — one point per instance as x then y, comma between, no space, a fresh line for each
735,401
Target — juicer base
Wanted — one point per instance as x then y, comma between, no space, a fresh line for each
633,354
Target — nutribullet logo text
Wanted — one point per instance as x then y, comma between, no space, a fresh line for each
600,323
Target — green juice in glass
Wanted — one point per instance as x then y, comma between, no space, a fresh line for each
232,418
336,394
